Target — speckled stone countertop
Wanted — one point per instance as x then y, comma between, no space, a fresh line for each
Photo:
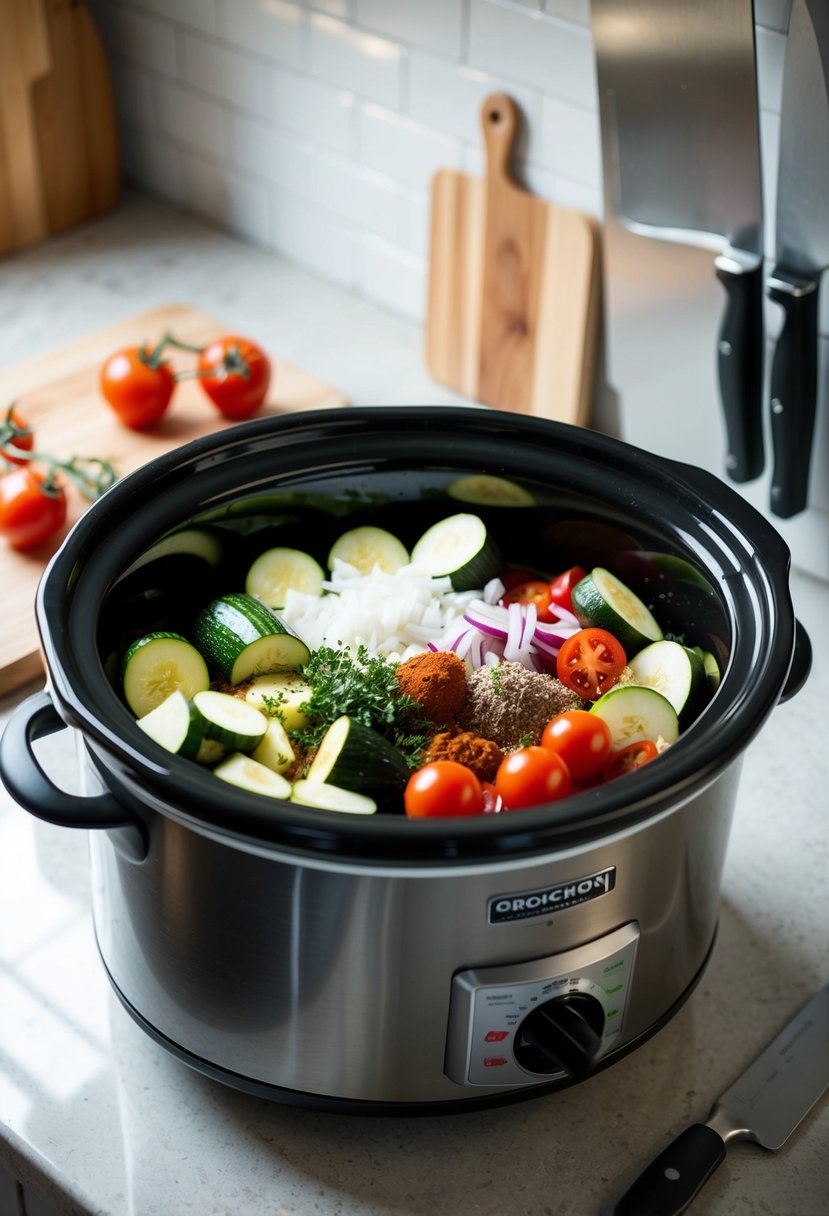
95,1118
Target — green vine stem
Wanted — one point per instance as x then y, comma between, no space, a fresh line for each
89,474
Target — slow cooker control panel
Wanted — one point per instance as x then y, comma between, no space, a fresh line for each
525,1023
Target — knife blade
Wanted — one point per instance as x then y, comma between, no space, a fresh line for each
683,107
764,1105
801,253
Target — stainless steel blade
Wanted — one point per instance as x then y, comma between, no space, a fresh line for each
683,96
802,224
783,1084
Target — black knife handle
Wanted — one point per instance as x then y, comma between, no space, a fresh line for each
669,1184
740,362
793,390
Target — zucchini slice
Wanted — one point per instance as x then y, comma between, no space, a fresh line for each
460,547
275,750
277,571
158,664
248,774
357,758
241,637
281,696
176,727
634,713
237,726
676,672
367,547
331,798
485,490
602,600
187,542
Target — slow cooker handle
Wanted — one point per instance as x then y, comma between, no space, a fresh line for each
29,785
801,663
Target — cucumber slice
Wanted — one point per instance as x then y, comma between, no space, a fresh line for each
237,726
248,774
461,548
634,713
487,491
276,571
331,798
242,637
357,758
275,750
158,664
281,696
367,547
602,600
675,671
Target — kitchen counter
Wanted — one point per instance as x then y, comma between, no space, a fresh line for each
96,1119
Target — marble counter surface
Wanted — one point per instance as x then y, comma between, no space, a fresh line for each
97,1120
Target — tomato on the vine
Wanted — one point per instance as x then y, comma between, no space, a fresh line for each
32,507
634,755
441,789
561,587
590,662
15,432
235,373
582,740
138,385
534,592
530,776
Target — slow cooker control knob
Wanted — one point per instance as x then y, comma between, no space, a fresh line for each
563,1033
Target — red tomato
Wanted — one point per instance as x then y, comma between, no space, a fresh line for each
492,799
32,508
628,758
535,592
581,739
561,587
15,433
136,386
530,776
590,662
511,578
441,789
235,373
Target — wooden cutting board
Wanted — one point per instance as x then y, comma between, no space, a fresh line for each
58,395
514,287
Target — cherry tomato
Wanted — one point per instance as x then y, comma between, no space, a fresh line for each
535,592
492,799
581,739
512,577
15,433
441,789
530,776
634,755
561,587
235,373
32,508
590,662
137,386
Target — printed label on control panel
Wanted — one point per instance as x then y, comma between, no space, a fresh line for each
525,904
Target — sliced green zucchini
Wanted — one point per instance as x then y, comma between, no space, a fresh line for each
634,713
192,542
331,798
241,637
176,727
485,490
674,670
367,547
229,720
461,548
158,664
603,601
357,758
711,667
281,696
275,750
278,571
248,774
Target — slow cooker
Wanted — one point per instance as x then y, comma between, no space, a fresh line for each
377,963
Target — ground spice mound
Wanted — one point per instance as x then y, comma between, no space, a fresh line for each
511,705
481,755
437,681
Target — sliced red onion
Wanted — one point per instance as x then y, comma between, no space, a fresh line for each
493,591
463,643
565,615
530,619
487,618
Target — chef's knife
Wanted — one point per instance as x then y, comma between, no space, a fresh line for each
681,92
802,251
765,1105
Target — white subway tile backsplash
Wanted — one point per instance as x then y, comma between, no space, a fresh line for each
365,198
418,227
273,29
313,240
407,151
571,142
448,96
135,95
155,163
393,278
370,66
141,38
225,74
320,112
263,152
193,14
437,24
191,120
226,198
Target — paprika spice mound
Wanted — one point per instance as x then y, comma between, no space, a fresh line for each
481,755
437,681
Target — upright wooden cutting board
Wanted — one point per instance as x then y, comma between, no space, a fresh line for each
58,395
514,288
